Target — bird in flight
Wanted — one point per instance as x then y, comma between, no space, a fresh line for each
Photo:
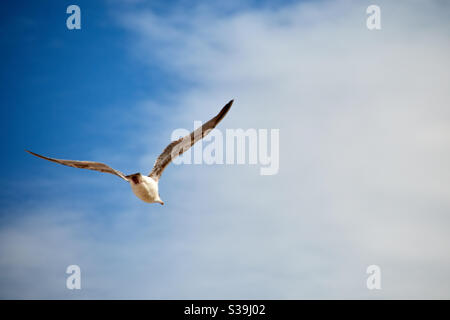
146,187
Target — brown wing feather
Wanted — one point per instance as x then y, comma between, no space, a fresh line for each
91,165
181,145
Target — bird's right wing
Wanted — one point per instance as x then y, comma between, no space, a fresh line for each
91,165
181,145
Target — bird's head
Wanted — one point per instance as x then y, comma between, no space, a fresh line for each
158,200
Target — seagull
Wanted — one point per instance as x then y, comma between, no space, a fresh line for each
146,187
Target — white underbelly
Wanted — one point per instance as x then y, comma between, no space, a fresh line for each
144,192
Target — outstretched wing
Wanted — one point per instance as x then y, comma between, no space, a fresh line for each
91,165
181,145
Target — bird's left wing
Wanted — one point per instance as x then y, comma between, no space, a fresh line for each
91,165
179,146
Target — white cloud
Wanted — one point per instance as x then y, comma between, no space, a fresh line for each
363,118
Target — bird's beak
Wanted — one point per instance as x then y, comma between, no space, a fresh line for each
162,203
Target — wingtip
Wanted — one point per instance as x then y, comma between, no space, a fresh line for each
228,105
31,152
35,154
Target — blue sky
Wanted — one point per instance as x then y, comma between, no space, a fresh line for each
71,89
363,118
56,78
